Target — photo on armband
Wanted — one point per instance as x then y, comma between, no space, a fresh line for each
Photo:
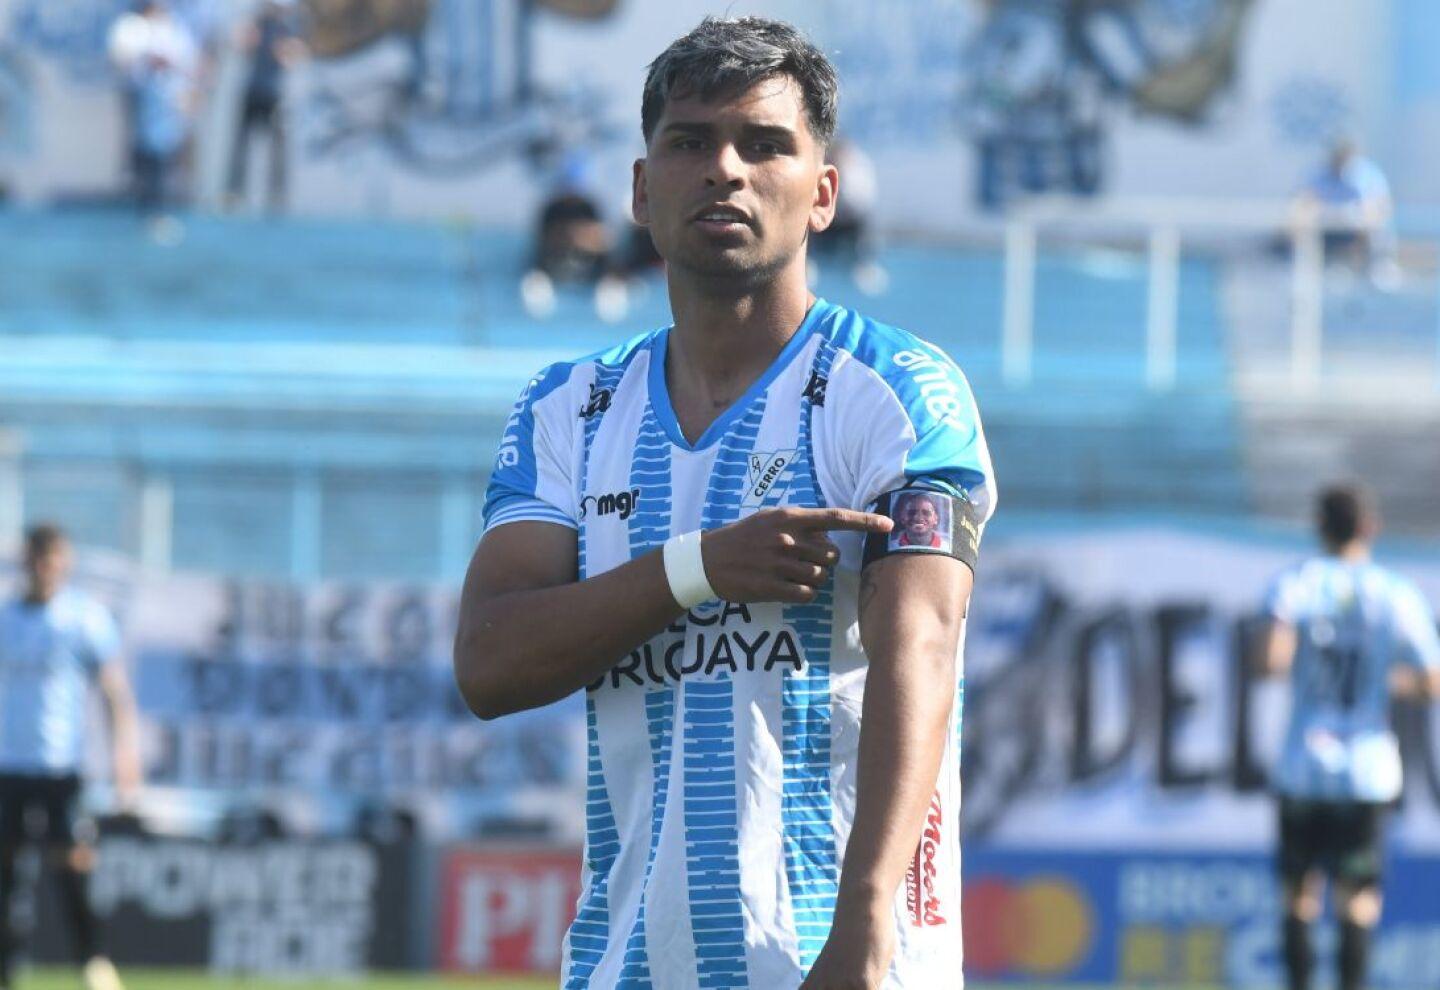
926,522
922,522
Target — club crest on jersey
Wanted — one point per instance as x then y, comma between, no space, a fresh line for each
769,472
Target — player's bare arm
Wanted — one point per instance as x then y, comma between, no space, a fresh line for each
531,633
1415,685
911,609
124,722
1277,649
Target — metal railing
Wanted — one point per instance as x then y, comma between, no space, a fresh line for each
12,508
1238,233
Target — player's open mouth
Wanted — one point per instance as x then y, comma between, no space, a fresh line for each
722,218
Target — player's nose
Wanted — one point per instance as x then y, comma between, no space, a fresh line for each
726,167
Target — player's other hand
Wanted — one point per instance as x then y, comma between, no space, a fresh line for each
857,954
780,555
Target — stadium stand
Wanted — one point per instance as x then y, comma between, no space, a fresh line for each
306,356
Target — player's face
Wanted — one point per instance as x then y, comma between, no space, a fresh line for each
732,188
920,519
48,570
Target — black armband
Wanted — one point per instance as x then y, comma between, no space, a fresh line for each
926,521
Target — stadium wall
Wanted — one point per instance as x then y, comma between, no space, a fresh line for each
1214,98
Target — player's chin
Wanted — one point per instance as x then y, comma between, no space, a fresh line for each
728,263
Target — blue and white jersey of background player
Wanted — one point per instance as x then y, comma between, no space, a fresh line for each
722,754
1353,623
49,655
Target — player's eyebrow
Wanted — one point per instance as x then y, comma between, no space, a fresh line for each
695,128
772,132
777,133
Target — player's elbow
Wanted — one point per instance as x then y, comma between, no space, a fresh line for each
476,677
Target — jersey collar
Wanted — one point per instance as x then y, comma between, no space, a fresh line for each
660,391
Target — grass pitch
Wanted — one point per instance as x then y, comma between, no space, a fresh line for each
185,979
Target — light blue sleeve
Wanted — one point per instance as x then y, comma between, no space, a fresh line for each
1282,598
531,480
920,425
1415,628
101,637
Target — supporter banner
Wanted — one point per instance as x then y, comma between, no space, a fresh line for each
278,908
1110,698
334,691
1170,920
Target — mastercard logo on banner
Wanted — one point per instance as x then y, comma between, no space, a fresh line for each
1042,926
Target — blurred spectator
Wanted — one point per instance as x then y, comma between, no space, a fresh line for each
271,40
573,246
386,825
249,825
157,59
638,257
1349,197
851,237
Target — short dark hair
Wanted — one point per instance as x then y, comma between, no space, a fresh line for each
42,538
906,499
1344,512
725,56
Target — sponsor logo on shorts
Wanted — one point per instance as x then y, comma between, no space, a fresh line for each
611,503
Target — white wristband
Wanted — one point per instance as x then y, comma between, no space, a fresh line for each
685,570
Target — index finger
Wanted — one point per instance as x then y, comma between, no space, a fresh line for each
847,519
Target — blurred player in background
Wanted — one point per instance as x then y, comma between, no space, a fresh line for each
1349,633
54,642
773,787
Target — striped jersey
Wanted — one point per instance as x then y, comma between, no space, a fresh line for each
49,654
1353,622
722,753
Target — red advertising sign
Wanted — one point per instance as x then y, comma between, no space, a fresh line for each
506,911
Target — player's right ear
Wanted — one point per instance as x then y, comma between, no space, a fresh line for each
639,199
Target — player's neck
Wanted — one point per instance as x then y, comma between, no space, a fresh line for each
726,339
1354,552
37,598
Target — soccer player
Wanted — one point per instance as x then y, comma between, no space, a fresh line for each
54,641
773,772
1349,633
918,519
